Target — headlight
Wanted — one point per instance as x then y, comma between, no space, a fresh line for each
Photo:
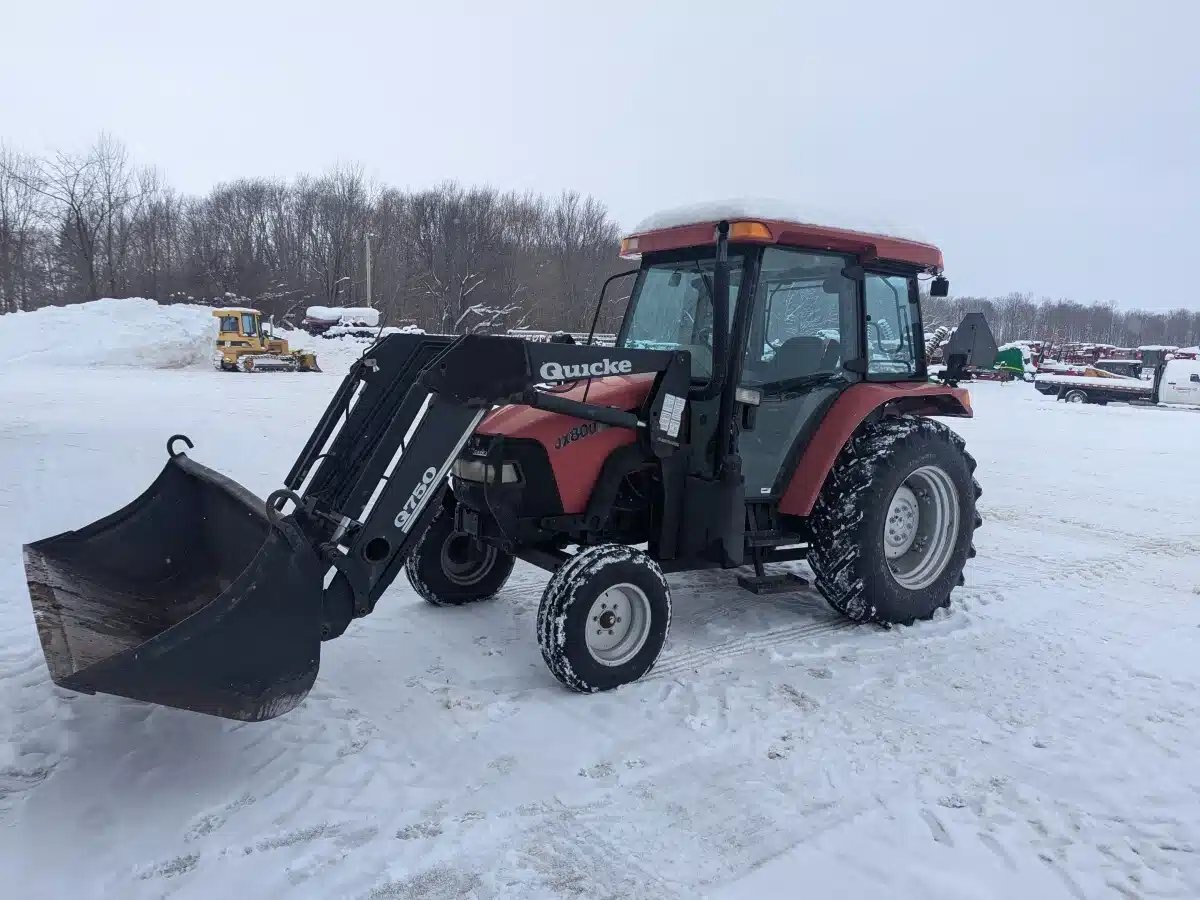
481,471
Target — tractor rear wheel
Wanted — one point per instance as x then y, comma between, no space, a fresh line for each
449,568
894,523
604,618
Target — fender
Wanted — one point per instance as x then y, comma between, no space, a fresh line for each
857,403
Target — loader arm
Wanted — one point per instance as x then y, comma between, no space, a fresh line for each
401,418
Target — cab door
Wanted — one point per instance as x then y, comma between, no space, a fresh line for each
1181,383
803,326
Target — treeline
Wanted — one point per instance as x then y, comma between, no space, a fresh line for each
77,227
1021,317
80,226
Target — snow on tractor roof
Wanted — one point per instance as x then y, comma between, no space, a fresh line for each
226,310
747,208
692,226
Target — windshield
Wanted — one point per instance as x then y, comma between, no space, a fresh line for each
229,323
671,309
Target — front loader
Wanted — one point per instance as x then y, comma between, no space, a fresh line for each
767,400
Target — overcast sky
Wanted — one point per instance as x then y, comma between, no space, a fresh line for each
1048,146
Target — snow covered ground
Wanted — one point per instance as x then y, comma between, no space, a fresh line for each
1040,739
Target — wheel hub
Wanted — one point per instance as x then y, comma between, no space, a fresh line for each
464,561
921,529
903,517
618,624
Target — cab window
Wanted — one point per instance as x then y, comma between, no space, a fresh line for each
229,323
889,326
248,325
803,321
671,308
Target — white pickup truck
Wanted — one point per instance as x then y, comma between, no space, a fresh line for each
1176,383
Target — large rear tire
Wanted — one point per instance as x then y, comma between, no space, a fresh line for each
894,523
604,618
449,568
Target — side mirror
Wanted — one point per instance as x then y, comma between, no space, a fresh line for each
939,287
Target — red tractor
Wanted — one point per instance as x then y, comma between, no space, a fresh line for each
766,400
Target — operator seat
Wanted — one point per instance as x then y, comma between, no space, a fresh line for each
797,357
832,360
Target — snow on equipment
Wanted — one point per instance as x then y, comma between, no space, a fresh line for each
753,410
245,345
338,321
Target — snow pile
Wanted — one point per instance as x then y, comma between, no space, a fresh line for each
752,208
134,332
140,333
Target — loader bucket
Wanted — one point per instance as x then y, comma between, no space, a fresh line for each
189,597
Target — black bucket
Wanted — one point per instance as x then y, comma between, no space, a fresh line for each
189,597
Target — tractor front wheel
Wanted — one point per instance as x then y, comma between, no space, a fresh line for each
894,523
604,618
449,568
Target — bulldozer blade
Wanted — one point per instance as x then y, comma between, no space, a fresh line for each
190,596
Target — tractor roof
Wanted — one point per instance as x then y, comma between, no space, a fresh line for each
696,226
234,310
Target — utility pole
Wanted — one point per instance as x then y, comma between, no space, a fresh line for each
367,248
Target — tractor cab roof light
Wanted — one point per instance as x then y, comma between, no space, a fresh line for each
749,231
738,231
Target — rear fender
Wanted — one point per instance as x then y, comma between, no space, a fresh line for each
856,404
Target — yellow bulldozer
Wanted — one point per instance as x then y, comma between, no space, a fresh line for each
244,344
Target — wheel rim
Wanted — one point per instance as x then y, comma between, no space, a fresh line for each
464,562
618,624
921,527
1074,397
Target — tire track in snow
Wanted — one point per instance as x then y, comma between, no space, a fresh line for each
703,656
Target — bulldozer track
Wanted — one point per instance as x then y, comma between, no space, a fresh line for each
250,364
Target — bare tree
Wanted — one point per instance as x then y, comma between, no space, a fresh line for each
20,210
450,258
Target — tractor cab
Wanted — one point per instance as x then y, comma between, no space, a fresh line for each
239,324
810,310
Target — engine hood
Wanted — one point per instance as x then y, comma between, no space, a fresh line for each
575,448
624,392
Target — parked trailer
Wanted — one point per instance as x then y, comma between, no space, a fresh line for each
1176,383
